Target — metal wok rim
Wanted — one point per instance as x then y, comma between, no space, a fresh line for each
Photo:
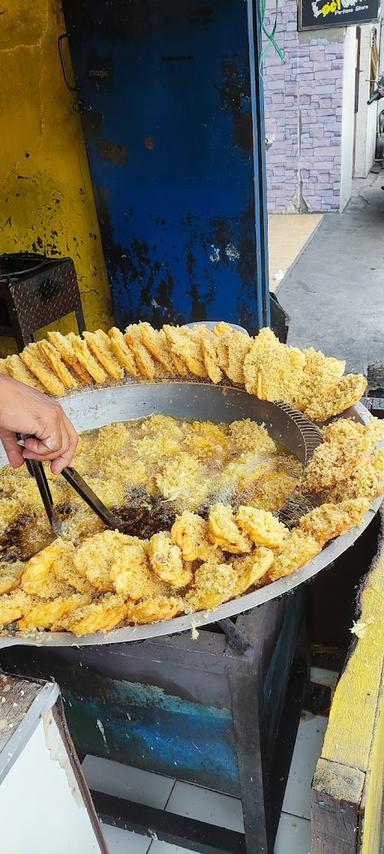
202,618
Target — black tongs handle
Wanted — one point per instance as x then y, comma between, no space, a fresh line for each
87,494
36,470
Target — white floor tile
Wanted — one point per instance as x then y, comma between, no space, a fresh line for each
293,835
310,737
324,677
114,778
204,805
123,842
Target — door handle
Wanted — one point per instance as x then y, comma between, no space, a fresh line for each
60,41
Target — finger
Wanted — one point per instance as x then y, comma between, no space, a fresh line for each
12,450
66,457
52,444
39,450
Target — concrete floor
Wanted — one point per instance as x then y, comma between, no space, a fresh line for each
334,294
288,234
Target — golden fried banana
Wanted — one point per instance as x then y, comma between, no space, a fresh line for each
99,616
185,344
84,356
38,578
48,614
10,575
273,371
31,358
320,375
100,345
123,354
262,527
209,346
130,572
252,569
223,531
13,606
143,358
94,558
166,561
154,609
328,521
156,343
18,371
55,363
338,399
65,350
213,585
297,550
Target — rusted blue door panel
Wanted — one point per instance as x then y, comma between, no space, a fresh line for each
170,107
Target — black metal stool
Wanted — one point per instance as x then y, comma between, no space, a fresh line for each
35,291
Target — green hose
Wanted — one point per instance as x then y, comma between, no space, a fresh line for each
270,36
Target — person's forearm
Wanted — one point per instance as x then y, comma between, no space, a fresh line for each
25,410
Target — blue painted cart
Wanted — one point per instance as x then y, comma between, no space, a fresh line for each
171,100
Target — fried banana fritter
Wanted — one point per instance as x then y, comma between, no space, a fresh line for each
297,549
346,446
37,366
167,562
16,369
95,556
10,575
84,356
100,346
65,350
213,584
38,578
101,615
13,606
273,371
156,343
209,348
130,571
338,399
223,531
253,569
143,358
154,609
48,614
185,344
320,375
190,533
328,521
261,527
122,352
54,361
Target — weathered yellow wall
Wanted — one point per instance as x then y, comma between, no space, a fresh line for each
46,198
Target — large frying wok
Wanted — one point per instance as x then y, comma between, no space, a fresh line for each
93,408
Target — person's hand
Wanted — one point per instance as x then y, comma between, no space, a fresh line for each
25,410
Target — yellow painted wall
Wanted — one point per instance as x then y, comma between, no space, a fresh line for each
46,198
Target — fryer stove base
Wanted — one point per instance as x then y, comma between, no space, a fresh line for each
220,711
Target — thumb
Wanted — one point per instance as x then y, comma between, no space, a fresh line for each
12,449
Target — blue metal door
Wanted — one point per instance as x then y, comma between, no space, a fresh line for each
170,96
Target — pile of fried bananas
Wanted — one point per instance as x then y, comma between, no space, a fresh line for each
306,379
107,579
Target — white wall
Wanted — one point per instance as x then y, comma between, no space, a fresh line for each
348,116
41,807
365,130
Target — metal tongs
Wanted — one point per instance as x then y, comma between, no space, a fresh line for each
36,470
